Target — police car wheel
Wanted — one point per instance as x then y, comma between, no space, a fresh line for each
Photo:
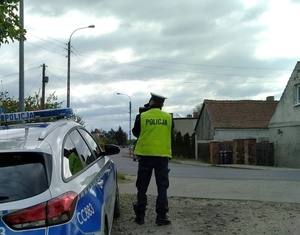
106,229
117,212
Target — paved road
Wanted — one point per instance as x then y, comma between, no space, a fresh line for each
283,188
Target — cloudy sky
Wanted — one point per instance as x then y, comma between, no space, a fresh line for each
187,51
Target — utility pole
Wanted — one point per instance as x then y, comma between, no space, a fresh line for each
45,80
69,62
21,61
130,106
130,150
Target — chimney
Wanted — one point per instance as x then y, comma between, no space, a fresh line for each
270,98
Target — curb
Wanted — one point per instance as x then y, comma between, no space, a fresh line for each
237,166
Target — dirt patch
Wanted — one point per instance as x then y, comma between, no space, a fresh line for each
122,179
210,217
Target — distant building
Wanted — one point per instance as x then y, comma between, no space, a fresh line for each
226,120
97,134
186,124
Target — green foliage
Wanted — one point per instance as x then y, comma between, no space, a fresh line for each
121,136
179,144
186,145
34,102
121,176
118,137
10,27
77,119
193,143
9,104
183,146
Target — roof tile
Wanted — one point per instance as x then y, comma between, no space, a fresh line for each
240,114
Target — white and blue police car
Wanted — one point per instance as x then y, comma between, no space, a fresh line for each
54,177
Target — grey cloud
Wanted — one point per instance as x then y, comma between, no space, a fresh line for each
191,50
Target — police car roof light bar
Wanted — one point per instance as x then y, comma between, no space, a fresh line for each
31,115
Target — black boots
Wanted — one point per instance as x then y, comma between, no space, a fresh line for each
139,214
162,219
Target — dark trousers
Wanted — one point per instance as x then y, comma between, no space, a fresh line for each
160,166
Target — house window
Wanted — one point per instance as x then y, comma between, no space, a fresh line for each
298,94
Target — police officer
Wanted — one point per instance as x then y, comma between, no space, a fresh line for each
153,129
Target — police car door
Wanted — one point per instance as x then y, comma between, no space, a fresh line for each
106,178
89,215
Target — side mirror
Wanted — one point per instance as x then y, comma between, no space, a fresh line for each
111,149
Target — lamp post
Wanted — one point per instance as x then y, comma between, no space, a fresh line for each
69,60
21,61
129,121
45,80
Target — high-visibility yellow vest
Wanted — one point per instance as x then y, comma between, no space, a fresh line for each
74,163
155,135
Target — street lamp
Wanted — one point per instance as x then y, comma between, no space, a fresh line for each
129,121
69,60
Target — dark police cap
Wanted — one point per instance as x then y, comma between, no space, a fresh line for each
157,97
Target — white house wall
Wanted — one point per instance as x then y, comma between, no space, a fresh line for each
286,145
285,125
231,134
205,128
185,125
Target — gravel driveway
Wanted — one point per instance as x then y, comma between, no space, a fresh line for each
211,216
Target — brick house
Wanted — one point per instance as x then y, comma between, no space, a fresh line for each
227,120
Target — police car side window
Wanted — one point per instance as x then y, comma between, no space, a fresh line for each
82,149
71,163
92,143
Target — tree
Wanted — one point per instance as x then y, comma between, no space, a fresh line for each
7,103
77,119
119,137
186,145
100,136
198,108
178,144
32,103
193,141
110,134
183,146
10,27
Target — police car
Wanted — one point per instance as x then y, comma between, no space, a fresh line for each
55,178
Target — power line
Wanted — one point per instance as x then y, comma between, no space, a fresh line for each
97,79
45,49
185,63
169,62
74,89
47,40
17,73
168,81
198,72
160,61
211,65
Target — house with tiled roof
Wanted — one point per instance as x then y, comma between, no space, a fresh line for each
284,125
226,120
231,120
